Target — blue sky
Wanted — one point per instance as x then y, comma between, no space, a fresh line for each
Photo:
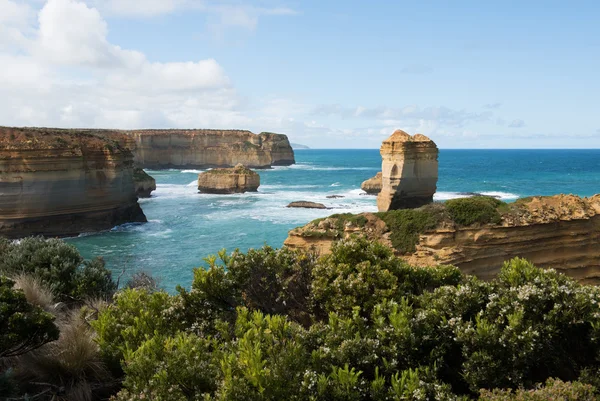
470,74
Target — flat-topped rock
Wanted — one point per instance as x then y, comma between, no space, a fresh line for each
372,186
238,179
409,171
307,205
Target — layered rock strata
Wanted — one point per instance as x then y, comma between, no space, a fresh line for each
409,171
228,180
372,186
158,149
560,232
144,183
63,182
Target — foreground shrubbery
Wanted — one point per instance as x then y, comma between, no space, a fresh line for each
359,324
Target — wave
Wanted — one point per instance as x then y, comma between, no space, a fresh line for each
192,171
442,196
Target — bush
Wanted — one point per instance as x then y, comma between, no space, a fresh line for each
58,265
23,327
475,210
552,390
183,367
135,317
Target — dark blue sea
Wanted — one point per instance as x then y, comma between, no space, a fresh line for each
184,226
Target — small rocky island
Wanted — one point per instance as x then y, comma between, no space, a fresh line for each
307,205
238,179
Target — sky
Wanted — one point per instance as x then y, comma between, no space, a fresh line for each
328,73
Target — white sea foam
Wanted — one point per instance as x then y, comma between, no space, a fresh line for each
192,171
442,196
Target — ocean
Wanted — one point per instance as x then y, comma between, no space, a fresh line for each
184,226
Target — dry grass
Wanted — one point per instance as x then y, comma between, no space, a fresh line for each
36,292
72,364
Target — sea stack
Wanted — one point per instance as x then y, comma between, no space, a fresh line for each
409,171
144,183
372,186
63,182
228,180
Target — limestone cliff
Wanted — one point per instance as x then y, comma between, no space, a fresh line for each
409,171
63,182
560,232
228,180
372,186
205,148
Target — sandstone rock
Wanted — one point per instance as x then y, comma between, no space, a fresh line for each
307,205
372,186
63,182
228,180
205,148
409,171
144,183
560,232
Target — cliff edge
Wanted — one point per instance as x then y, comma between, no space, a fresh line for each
64,182
477,234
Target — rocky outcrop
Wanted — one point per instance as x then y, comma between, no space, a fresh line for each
63,182
144,183
409,171
307,205
372,186
158,149
228,180
560,232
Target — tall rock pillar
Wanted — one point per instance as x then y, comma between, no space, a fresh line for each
410,171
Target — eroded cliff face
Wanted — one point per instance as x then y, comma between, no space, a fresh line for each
372,186
560,232
63,182
158,149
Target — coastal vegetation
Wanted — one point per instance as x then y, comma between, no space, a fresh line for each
272,324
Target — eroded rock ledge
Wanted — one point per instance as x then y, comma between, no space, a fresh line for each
560,232
63,183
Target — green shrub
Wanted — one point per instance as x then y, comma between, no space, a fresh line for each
23,327
552,390
59,266
135,317
475,210
183,367
406,225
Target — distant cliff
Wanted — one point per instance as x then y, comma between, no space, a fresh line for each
560,232
173,148
64,182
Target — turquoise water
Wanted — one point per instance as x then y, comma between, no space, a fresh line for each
185,226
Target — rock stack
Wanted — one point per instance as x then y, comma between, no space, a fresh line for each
228,180
409,171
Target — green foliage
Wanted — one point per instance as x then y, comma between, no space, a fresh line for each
183,367
23,327
407,224
475,210
552,390
135,317
59,266
360,274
